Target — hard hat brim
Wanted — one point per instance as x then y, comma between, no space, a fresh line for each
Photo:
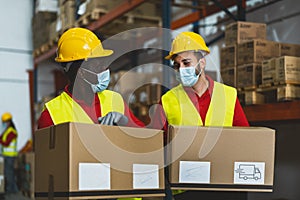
168,57
104,53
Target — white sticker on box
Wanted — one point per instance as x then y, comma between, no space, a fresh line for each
194,172
249,173
94,176
145,176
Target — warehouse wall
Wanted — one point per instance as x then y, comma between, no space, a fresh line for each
16,59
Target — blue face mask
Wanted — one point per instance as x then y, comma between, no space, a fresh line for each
103,81
187,76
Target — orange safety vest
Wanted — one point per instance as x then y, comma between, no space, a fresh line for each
180,110
64,109
11,149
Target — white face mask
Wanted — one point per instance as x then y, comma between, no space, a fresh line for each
103,79
187,75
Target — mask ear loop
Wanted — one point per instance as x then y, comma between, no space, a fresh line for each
196,67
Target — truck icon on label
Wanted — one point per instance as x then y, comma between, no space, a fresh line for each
248,171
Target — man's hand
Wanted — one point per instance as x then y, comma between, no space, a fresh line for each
113,119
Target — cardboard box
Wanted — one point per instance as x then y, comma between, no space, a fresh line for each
68,14
238,32
219,158
288,69
253,97
84,161
229,76
26,174
249,75
256,51
268,71
288,92
289,49
46,6
228,57
40,28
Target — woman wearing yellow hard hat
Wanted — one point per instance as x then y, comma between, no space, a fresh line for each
8,140
197,100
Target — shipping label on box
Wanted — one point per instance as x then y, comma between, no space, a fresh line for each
249,76
238,32
288,69
221,159
228,57
90,161
256,51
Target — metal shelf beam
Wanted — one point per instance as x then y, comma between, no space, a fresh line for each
195,16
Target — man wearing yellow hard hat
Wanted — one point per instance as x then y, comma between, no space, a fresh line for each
198,100
8,141
86,98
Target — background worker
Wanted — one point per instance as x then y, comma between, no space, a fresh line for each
197,100
86,98
8,140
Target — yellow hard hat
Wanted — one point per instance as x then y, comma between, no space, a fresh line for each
6,117
187,41
78,44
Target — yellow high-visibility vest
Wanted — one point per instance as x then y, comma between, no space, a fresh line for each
180,110
11,149
64,109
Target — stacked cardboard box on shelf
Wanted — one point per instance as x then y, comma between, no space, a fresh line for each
257,64
253,53
235,34
240,57
41,26
67,14
146,14
239,32
280,77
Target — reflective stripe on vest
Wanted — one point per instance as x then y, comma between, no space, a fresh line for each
11,149
180,110
64,109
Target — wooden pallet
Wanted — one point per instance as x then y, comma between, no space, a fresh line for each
88,17
45,47
248,88
271,94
